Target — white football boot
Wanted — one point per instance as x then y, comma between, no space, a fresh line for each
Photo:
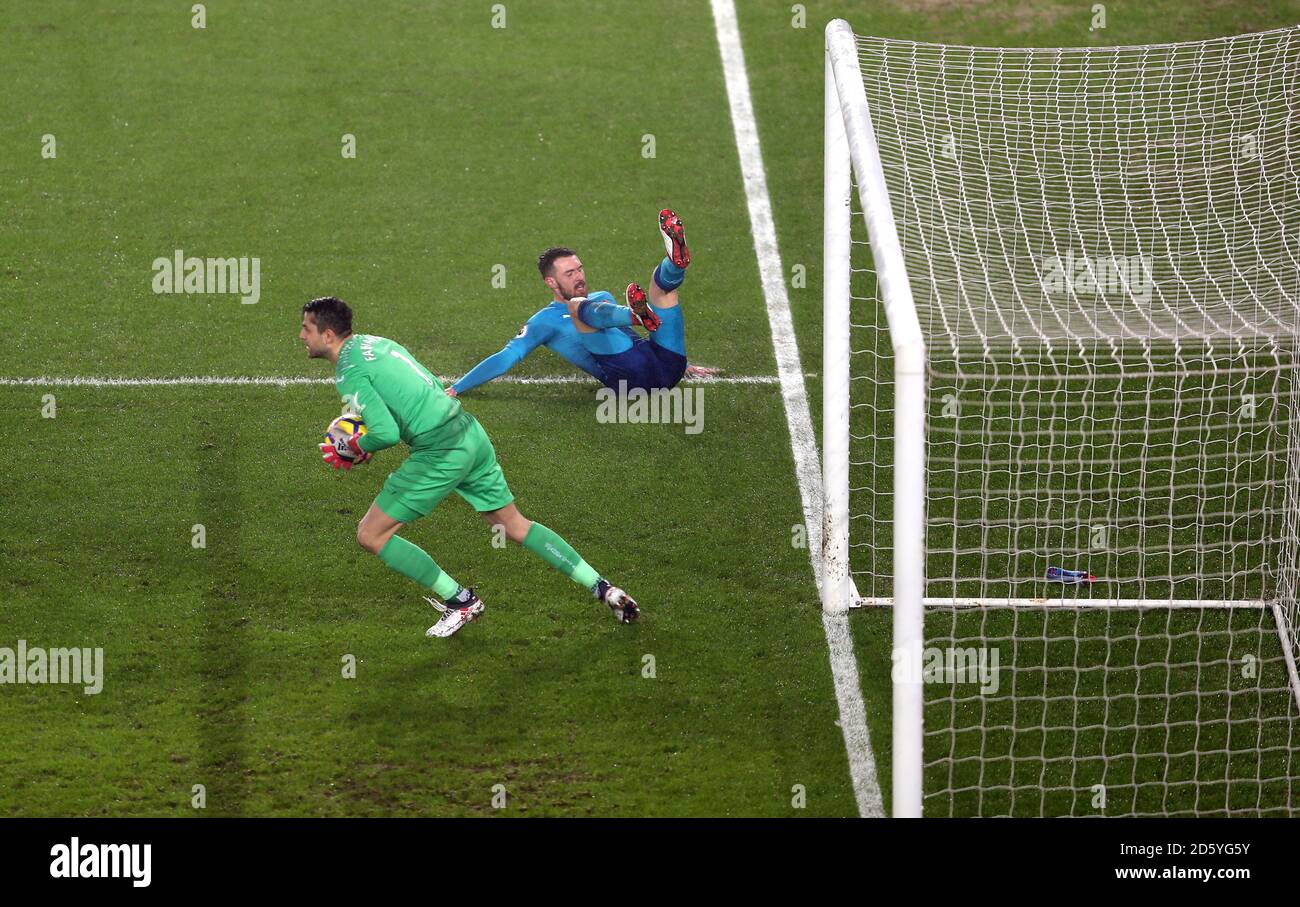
623,605
454,615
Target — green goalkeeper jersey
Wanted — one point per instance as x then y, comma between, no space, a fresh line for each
399,399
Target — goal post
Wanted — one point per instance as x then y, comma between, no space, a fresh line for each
851,152
1061,417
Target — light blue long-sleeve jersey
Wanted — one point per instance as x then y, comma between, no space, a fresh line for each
551,327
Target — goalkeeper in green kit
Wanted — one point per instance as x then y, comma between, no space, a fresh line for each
400,400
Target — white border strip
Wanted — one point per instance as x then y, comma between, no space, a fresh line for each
803,441
273,381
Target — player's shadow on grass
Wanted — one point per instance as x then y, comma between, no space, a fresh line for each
485,703
228,597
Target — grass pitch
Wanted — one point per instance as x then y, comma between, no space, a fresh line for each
476,147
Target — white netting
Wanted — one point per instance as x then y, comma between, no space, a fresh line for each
1103,246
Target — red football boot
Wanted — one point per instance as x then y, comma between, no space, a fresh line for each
642,314
674,238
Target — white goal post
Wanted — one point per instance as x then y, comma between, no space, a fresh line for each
1061,417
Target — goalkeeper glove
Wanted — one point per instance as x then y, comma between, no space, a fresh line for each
343,453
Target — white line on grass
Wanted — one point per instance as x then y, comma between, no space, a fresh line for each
803,442
273,381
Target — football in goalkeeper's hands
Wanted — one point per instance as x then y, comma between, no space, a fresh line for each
342,428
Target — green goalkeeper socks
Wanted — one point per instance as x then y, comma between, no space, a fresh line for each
560,554
412,561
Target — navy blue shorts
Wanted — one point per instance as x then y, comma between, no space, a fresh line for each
646,365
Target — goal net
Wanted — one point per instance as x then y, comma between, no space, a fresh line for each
1061,413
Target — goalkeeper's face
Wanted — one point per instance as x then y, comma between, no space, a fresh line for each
569,278
318,344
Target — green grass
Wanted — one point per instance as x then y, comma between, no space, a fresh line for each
476,147
224,665
1156,707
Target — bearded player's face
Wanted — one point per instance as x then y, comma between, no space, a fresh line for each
570,279
312,338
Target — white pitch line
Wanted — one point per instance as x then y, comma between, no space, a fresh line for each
273,381
803,441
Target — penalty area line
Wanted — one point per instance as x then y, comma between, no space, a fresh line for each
287,381
803,441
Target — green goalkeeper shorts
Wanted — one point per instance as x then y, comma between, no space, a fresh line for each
464,463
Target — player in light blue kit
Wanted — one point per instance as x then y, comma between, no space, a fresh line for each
594,333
